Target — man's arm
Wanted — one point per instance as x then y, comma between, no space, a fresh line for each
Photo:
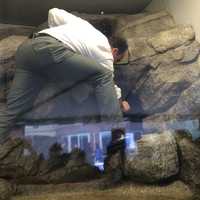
118,92
57,17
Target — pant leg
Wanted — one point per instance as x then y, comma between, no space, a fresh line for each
20,99
47,57
76,68
60,64
26,86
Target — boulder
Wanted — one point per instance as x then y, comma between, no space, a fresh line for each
139,31
189,159
159,91
154,160
184,114
139,48
146,26
188,103
144,81
172,38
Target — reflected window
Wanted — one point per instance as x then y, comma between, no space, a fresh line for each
80,141
105,139
130,141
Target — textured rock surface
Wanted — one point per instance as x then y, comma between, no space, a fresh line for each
161,80
170,39
17,159
74,169
8,47
6,190
189,101
146,26
163,69
189,159
155,159
19,162
156,46
9,29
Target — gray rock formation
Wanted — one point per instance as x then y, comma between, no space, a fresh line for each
189,159
163,71
8,47
74,169
155,159
20,163
171,39
6,190
17,159
7,30
161,78
163,74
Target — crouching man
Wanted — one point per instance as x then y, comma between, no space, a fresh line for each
70,49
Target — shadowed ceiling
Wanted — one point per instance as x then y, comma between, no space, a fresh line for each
33,12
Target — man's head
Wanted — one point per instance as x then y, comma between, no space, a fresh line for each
119,47
105,25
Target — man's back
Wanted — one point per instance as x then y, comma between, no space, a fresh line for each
81,37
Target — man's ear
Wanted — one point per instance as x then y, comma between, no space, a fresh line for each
115,51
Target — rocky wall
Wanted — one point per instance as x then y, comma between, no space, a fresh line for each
159,158
162,74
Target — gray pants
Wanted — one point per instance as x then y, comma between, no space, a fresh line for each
46,59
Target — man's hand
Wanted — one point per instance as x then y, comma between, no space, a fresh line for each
125,106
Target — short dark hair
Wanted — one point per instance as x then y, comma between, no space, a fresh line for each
105,25
118,42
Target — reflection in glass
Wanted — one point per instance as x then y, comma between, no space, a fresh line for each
92,139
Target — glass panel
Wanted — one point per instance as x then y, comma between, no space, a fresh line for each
74,142
84,141
130,143
105,138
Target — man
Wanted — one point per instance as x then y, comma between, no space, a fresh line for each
73,50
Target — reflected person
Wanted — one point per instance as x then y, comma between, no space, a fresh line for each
70,49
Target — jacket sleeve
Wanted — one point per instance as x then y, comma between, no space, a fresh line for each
57,17
108,63
118,92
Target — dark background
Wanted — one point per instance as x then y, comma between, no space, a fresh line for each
34,12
